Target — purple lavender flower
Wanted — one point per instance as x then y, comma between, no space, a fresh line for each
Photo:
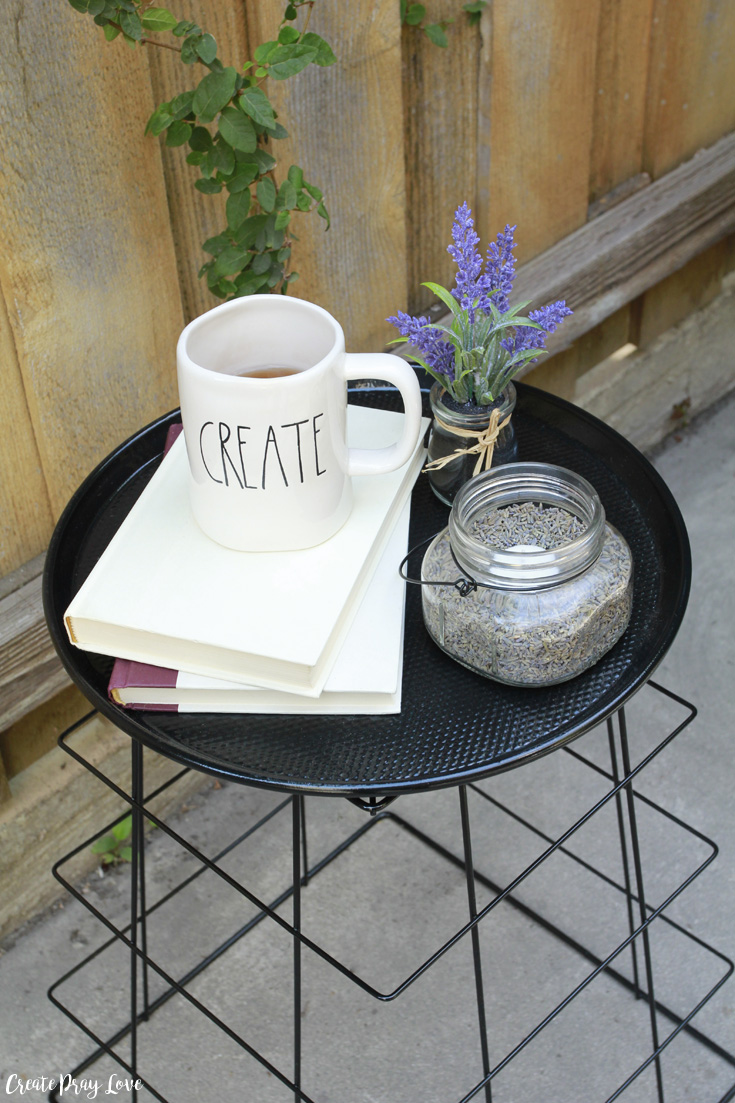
548,317
469,284
500,269
435,351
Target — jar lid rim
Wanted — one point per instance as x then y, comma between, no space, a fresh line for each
522,482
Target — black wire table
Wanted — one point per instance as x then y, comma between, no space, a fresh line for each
455,730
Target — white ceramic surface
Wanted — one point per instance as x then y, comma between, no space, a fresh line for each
270,468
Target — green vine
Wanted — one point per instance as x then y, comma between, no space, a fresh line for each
414,15
230,125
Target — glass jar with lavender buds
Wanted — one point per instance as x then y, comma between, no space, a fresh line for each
466,439
529,585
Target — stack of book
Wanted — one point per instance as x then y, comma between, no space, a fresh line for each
197,627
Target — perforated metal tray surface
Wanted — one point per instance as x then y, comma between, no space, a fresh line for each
454,725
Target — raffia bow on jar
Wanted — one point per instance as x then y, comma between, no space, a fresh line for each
475,358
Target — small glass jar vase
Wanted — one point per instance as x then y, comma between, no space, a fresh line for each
549,583
465,429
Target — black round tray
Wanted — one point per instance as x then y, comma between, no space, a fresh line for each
454,726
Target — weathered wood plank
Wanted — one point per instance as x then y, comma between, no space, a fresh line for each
89,272
613,259
690,89
346,123
638,393
25,512
695,285
30,672
440,105
5,793
55,804
36,733
195,217
690,104
559,373
619,95
541,62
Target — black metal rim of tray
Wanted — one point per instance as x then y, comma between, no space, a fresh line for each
454,726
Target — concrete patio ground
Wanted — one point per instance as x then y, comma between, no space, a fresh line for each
386,904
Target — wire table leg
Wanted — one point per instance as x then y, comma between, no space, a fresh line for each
304,852
625,752
472,901
298,812
135,874
623,852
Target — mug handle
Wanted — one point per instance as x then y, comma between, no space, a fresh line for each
395,370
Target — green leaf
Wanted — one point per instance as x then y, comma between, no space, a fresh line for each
215,245
435,33
195,158
287,195
289,60
160,119
324,52
287,35
232,259
264,161
255,103
190,49
323,213
277,132
207,48
104,845
237,129
273,238
282,220
475,7
296,176
290,12
126,853
88,7
131,25
266,193
415,14
261,263
208,187
181,105
186,27
201,139
237,208
446,297
303,202
249,283
213,92
250,229
314,191
244,175
223,156
402,10
123,829
178,133
111,32
264,52
158,19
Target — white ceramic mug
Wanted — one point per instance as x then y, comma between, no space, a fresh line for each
262,386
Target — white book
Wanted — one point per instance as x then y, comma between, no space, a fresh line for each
164,593
366,676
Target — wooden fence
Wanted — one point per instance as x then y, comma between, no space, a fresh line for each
544,116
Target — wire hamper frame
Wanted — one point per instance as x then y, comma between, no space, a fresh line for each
621,792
